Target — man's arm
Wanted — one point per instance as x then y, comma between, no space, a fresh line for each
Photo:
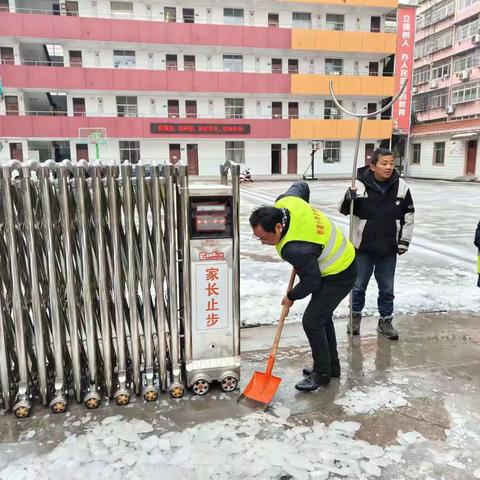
408,211
477,236
298,189
304,258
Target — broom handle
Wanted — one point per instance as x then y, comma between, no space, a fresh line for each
281,322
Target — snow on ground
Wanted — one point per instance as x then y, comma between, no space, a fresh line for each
259,446
436,274
371,399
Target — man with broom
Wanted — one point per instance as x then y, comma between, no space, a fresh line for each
324,261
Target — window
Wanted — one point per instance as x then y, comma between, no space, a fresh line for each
122,9
127,106
191,108
301,20
292,65
189,62
11,105
333,66
170,14
438,100
173,109
331,151
470,60
235,151
421,75
188,15
6,56
467,3
78,107
172,63
375,23
277,110
234,107
71,9
416,152
233,63
129,151
439,153
273,20
4,7
75,58
441,71
335,22
55,53
330,111
466,93
292,109
233,16
124,58
468,30
276,65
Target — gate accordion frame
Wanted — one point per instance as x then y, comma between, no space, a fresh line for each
90,294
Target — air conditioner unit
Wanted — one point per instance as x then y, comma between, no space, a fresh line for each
464,75
433,84
449,108
476,38
414,90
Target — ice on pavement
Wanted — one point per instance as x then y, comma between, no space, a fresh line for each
360,400
259,445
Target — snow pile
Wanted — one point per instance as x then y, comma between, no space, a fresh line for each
370,399
256,446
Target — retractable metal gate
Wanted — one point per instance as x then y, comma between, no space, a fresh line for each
91,296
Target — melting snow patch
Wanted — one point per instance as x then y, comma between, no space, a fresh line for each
369,400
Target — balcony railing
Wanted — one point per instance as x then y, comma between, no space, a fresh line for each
200,19
188,68
324,114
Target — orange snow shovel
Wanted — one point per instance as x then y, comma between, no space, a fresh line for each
262,386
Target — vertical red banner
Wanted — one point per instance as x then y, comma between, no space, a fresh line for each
404,68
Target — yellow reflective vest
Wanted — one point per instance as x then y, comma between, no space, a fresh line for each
310,225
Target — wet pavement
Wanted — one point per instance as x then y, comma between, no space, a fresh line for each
433,372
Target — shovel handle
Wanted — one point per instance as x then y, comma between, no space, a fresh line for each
281,322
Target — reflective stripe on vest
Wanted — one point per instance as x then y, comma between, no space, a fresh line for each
478,263
310,225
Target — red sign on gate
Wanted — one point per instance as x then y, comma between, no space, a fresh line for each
404,68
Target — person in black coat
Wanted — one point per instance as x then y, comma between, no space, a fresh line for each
477,244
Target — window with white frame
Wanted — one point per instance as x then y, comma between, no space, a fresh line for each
421,75
438,100
467,30
235,151
433,44
124,58
416,153
331,151
420,103
471,60
233,63
335,22
122,9
466,3
234,107
441,71
127,106
330,111
333,66
301,20
466,93
233,16
437,13
439,153
129,151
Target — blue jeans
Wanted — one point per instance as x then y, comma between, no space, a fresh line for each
384,271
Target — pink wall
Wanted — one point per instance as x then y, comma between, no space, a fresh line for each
25,76
137,31
67,127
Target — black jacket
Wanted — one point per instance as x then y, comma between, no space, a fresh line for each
477,244
383,214
303,256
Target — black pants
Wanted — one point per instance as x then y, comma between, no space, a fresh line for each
317,318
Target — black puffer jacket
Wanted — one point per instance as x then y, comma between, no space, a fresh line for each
383,214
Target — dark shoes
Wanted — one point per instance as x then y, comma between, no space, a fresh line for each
313,381
385,327
334,370
356,319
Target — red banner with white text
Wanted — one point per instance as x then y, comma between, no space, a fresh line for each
404,69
